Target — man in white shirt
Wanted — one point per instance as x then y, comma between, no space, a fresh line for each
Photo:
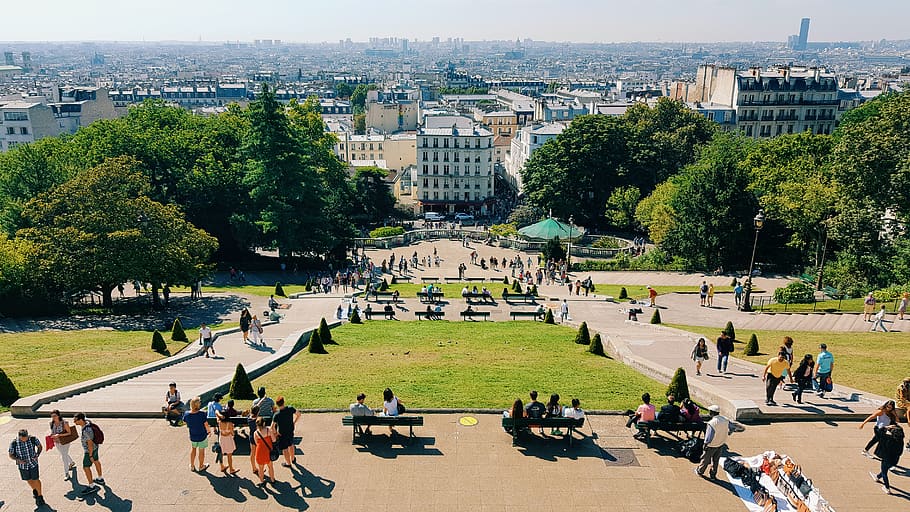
564,311
716,432
574,411
205,337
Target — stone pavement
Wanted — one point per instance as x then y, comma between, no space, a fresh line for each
449,468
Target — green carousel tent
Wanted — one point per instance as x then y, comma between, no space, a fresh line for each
550,228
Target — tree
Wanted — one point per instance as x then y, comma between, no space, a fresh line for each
374,200
655,213
177,332
597,346
554,250
8,391
583,337
359,97
343,90
355,317
525,214
655,318
621,205
158,343
360,124
729,331
713,207
100,229
679,386
548,317
325,334
751,348
241,387
315,345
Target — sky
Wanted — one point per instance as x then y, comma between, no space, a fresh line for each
542,20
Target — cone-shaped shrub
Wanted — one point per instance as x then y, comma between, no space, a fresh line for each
583,337
355,317
309,285
505,280
679,387
383,286
158,344
655,318
325,334
533,290
241,387
177,332
8,391
315,344
394,280
623,294
729,330
734,283
752,346
516,286
548,317
597,345
279,290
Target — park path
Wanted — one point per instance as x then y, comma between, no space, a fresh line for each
145,393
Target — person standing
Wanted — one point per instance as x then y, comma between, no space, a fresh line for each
868,307
198,428
285,420
245,320
773,375
652,296
903,398
89,444
889,450
716,432
883,417
803,377
251,426
25,450
710,301
824,367
699,354
879,321
63,435
205,337
256,330
227,444
724,349
738,294
564,311
265,439
703,293
902,306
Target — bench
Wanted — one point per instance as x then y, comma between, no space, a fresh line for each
406,279
807,279
238,421
527,314
429,279
471,314
672,427
478,279
425,297
516,426
472,297
425,314
358,422
378,294
389,315
833,292
519,297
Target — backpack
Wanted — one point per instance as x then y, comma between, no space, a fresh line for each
692,449
97,434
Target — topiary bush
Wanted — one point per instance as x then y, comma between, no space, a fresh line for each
241,387
279,290
729,330
623,294
751,348
795,293
734,282
394,280
516,287
315,344
678,387
533,290
583,337
158,343
386,231
355,317
8,391
325,334
177,332
505,280
383,286
309,285
655,318
548,317
596,347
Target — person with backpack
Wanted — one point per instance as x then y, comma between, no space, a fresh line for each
889,450
91,438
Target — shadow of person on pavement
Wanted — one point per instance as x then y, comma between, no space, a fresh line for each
312,486
229,486
106,498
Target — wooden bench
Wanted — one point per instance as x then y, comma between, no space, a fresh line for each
471,314
472,297
477,279
389,315
517,426
406,279
424,296
424,314
238,421
378,294
450,280
690,428
429,279
519,297
527,314
358,422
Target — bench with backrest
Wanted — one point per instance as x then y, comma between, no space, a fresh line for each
477,279
450,280
377,294
432,315
406,279
519,297
474,314
426,297
429,279
358,422
527,314
474,298
389,314
690,428
238,421
518,426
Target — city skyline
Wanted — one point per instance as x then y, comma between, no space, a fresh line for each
314,22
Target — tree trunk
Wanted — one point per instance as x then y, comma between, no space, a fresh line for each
156,301
107,300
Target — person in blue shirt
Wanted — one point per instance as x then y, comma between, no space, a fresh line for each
196,423
214,409
824,366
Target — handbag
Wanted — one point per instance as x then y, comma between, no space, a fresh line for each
274,454
401,408
68,438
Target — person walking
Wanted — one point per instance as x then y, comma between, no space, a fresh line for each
198,426
245,320
717,431
773,375
90,439
883,417
205,337
738,294
889,450
824,367
699,354
256,331
879,321
63,435
724,349
25,450
868,307
902,306
227,445
265,439
563,311
285,420
703,293
803,377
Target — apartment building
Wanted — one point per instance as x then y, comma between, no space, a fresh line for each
454,166
528,140
397,152
22,122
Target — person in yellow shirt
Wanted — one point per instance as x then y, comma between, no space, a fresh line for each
773,375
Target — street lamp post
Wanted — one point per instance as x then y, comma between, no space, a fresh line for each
758,222
569,246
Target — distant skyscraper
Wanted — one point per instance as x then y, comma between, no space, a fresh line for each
803,34
10,61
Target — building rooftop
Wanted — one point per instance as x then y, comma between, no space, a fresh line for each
20,104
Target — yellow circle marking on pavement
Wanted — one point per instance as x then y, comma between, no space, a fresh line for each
6,419
468,421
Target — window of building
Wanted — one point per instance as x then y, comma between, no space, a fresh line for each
435,195
445,169
426,169
435,169
380,156
426,195
435,142
371,146
435,183
425,157
445,143
426,182
380,147
445,196
10,130
23,130
341,146
748,131
436,156
467,196
15,116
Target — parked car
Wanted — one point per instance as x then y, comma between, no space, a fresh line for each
433,216
465,219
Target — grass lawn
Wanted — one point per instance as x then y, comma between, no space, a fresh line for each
635,291
246,289
44,360
456,364
870,361
846,305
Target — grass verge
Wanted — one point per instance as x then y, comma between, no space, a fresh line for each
822,306
869,361
456,364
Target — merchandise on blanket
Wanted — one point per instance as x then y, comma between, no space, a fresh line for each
692,448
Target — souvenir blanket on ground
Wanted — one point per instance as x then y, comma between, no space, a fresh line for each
813,503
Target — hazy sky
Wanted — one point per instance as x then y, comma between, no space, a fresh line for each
331,20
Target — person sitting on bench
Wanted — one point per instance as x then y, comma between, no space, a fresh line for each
535,409
690,412
395,295
574,411
173,405
670,412
465,291
388,311
358,408
369,310
517,411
